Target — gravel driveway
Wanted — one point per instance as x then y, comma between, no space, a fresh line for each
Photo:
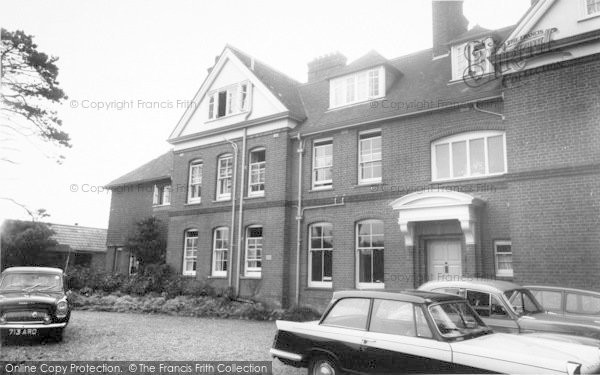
117,336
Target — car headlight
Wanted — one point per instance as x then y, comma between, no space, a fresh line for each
62,308
573,368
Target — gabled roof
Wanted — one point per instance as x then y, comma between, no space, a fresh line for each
281,85
79,238
369,60
160,168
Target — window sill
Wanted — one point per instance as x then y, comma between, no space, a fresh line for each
254,196
367,184
467,179
188,275
192,203
221,200
250,277
216,277
589,17
160,206
315,190
371,286
231,115
462,80
330,109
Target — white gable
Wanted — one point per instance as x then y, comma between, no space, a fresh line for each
555,20
228,74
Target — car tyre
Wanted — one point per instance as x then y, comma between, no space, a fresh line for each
323,365
57,334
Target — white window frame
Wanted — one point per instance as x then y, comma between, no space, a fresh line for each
340,96
585,13
215,250
460,62
221,179
198,182
256,167
319,284
363,136
503,273
236,101
133,261
253,272
370,285
324,184
190,258
467,137
162,195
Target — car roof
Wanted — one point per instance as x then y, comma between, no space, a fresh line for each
560,288
487,285
33,269
414,296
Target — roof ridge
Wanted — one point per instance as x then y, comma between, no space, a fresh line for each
75,226
230,46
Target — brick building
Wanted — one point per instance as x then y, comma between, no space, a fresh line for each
476,157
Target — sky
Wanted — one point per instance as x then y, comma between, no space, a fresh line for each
128,67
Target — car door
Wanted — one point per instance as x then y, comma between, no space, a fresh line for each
400,340
582,305
493,311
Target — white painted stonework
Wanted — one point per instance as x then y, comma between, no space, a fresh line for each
436,206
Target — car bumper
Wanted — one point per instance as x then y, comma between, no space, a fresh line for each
285,355
32,325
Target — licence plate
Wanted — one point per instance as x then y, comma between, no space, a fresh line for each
22,331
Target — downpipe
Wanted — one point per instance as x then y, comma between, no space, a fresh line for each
240,217
300,151
234,182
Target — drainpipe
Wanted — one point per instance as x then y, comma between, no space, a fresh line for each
230,256
299,217
240,216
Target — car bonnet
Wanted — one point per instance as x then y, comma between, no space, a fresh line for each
544,353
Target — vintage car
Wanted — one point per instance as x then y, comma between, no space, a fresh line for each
509,307
33,302
568,302
375,332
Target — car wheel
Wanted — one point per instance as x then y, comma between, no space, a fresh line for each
57,334
322,365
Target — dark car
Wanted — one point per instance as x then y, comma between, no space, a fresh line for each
568,302
509,307
33,302
369,332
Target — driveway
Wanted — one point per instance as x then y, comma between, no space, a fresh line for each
117,336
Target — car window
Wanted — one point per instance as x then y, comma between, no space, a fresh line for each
480,302
523,302
394,317
423,329
551,300
583,304
349,313
455,319
497,309
31,281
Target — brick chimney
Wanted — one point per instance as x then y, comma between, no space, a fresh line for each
323,66
448,22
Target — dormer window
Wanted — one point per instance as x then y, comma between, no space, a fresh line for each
592,7
357,87
471,60
228,101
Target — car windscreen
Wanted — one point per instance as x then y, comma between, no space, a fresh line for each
523,302
457,320
29,282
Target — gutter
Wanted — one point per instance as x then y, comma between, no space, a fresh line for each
403,115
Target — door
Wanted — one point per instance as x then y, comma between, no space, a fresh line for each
444,260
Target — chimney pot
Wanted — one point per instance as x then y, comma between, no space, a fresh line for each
323,66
